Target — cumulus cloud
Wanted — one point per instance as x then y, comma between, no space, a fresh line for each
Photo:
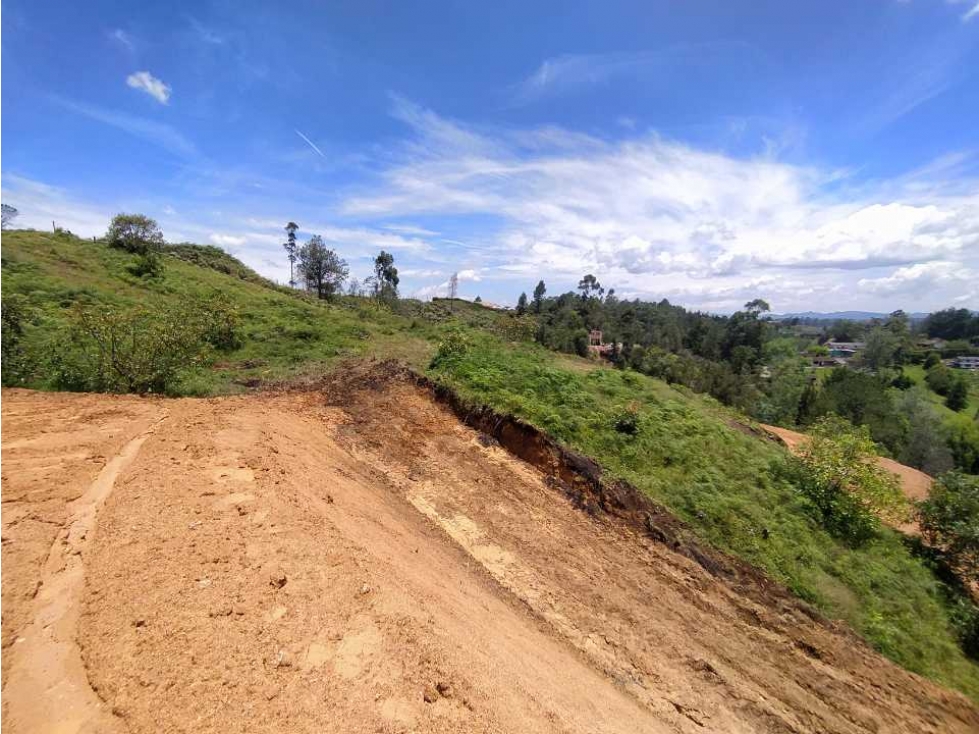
146,82
654,215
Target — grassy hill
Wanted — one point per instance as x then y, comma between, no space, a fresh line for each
686,451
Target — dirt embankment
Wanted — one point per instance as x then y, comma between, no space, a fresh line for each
366,562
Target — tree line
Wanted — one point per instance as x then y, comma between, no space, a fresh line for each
763,366
320,270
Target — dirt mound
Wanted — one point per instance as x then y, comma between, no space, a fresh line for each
357,559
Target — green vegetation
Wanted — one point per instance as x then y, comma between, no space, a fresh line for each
282,332
733,489
851,492
65,299
950,521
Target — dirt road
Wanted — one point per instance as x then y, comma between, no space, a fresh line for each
367,563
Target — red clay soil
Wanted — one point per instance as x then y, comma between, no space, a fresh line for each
289,562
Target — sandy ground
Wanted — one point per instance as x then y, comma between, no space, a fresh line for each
368,564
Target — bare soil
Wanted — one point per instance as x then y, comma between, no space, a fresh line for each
358,560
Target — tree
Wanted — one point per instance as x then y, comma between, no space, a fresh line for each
9,214
837,471
757,306
949,520
940,378
957,397
322,270
881,346
589,287
924,445
478,299
135,233
354,288
385,277
522,304
932,360
291,251
952,323
539,292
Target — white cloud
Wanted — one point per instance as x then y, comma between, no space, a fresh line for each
146,82
227,240
654,216
971,13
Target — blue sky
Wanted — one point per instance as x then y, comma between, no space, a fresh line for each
822,155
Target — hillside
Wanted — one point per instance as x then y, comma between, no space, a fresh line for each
687,452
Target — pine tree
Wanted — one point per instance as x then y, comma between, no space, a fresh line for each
291,251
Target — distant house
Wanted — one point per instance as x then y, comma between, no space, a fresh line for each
932,343
844,350
597,346
965,363
827,361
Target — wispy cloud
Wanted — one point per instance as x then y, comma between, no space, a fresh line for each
311,144
122,38
971,13
569,72
158,133
146,82
206,34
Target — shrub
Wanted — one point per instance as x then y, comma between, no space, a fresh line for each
452,347
219,322
939,378
837,473
627,420
15,316
140,351
134,233
949,520
147,264
957,397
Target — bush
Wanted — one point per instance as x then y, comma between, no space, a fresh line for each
138,350
453,346
627,420
134,233
147,264
939,378
949,520
957,397
219,322
837,473
15,316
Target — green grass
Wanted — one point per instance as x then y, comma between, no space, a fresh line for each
285,333
725,484
684,455
917,373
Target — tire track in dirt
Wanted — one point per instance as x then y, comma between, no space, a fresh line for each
48,688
